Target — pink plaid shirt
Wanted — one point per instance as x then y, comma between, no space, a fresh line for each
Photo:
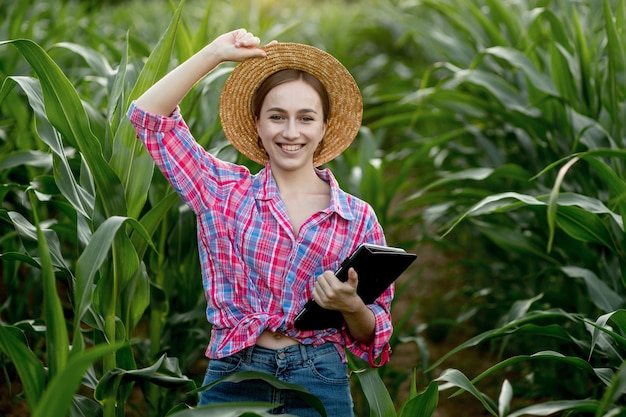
256,273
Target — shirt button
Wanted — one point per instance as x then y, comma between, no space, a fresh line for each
281,355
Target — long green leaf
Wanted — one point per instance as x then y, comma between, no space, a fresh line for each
92,259
130,160
228,410
616,80
376,393
616,390
67,114
507,329
300,391
552,407
57,342
29,368
165,372
456,378
601,325
552,202
601,294
57,398
423,404
80,198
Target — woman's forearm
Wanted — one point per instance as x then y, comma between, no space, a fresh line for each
163,97
361,324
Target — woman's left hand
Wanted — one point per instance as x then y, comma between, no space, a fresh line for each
332,294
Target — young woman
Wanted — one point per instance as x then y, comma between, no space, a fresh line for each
269,241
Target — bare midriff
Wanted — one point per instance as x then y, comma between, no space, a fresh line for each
275,340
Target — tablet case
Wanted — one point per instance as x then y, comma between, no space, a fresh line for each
378,267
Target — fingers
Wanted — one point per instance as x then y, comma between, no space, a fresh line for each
330,292
246,39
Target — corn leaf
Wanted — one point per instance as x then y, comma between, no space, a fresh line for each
422,404
93,257
57,342
29,368
130,160
376,393
67,114
300,391
57,398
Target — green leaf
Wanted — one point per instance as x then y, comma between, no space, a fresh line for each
67,114
27,230
423,404
93,257
81,199
586,227
165,372
507,329
614,392
57,398
57,342
375,391
551,407
227,410
504,400
29,368
517,59
300,391
601,294
552,202
542,355
456,378
130,160
94,59
601,325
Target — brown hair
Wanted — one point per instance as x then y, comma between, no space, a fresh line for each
284,76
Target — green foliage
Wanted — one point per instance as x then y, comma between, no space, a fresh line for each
493,132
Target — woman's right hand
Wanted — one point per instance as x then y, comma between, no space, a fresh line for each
236,46
165,94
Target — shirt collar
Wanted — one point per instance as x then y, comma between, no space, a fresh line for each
267,189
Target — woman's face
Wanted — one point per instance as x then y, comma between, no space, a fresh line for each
291,125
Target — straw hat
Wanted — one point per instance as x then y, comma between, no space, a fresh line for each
346,105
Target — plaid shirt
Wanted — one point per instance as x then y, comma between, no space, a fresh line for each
257,274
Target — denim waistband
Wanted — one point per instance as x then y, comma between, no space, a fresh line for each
288,355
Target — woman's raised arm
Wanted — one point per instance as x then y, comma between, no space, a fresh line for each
166,93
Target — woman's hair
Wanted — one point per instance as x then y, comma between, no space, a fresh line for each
284,76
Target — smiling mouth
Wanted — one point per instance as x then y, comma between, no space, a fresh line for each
291,148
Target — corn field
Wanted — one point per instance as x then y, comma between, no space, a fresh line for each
493,145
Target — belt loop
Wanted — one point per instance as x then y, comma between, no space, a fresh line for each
305,357
248,354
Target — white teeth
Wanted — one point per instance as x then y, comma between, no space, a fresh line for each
291,148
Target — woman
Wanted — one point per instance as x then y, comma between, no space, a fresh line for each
269,241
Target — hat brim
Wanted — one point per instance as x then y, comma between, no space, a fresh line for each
346,104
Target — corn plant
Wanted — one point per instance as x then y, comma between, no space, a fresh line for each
492,130
105,179
526,99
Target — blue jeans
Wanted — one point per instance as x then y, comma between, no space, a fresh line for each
319,370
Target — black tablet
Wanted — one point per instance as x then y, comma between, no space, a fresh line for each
378,267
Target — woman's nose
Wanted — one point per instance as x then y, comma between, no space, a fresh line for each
291,130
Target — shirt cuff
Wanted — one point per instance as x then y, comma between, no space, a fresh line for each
377,353
152,121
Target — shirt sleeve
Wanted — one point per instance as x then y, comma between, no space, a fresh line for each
382,314
199,178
